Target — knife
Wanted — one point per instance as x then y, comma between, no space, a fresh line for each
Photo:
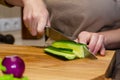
56,35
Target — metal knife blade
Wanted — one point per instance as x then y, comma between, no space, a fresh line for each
56,35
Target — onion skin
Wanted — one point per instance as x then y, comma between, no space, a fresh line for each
14,65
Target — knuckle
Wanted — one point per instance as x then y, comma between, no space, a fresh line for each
82,33
35,15
46,13
102,36
27,18
95,34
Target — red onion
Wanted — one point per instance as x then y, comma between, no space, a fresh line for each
14,65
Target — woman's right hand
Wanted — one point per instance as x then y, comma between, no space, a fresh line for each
35,16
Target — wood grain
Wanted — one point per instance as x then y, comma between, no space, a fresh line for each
41,66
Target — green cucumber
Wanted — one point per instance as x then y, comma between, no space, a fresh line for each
78,48
66,53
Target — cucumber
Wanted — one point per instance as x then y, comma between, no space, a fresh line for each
68,49
78,48
66,53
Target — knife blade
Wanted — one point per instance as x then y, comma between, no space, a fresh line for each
56,35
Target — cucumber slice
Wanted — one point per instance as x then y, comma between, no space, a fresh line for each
66,53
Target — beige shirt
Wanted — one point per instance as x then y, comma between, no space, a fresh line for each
73,16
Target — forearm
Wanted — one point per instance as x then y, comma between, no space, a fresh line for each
112,39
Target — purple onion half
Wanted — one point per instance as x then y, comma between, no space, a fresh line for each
14,65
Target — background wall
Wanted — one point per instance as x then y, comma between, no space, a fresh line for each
6,12
10,18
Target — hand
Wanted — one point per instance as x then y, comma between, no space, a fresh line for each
35,16
94,41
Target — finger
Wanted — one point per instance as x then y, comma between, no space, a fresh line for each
26,18
34,24
102,51
41,25
31,25
48,23
93,41
99,44
27,23
76,40
84,37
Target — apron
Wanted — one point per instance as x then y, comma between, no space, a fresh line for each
73,16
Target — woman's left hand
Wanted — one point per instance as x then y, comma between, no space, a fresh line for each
94,41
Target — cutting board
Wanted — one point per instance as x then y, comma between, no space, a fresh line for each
41,66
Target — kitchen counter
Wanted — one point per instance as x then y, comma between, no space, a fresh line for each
41,66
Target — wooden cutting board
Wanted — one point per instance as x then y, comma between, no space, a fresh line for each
41,66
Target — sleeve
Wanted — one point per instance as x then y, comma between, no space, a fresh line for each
3,2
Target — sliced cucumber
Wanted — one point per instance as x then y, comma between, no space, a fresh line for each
76,47
66,53
68,49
